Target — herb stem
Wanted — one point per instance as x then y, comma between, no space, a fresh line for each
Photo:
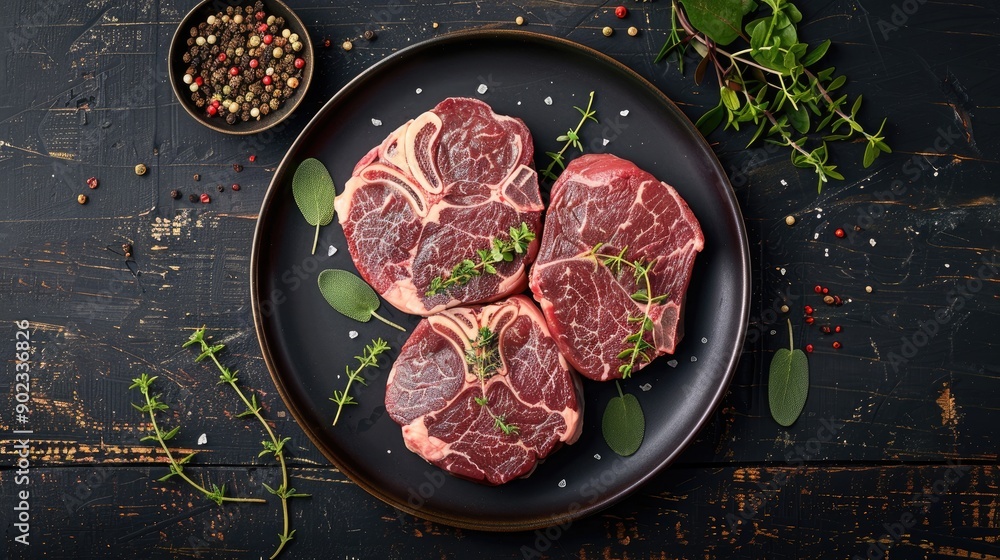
175,466
388,322
315,239
572,139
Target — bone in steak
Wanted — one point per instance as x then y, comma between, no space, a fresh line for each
439,188
434,385
608,200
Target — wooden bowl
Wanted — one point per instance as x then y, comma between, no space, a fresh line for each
177,66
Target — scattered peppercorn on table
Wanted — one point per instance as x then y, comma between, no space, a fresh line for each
126,225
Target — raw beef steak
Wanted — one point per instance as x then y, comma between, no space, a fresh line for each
603,199
437,190
533,400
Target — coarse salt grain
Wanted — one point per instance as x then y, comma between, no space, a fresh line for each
548,100
597,456
871,242
353,334
694,358
624,113
605,141
672,363
376,122
482,89
704,340
331,251
562,483
202,439
645,387
419,91
782,271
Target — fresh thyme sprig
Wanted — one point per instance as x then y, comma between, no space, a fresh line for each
484,357
271,446
769,83
152,405
500,251
636,346
571,139
368,359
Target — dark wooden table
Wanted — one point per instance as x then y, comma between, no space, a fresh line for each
895,454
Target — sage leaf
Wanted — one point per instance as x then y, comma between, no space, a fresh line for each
720,20
314,193
788,383
623,424
351,296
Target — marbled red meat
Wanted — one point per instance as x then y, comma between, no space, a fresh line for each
608,200
434,385
439,188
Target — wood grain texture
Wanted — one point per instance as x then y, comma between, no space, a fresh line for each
912,388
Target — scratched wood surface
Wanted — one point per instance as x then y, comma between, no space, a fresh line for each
911,393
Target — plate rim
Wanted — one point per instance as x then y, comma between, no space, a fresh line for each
733,209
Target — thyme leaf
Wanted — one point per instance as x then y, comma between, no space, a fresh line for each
485,261
369,358
483,357
571,139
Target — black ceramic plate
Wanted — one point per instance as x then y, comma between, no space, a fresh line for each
306,344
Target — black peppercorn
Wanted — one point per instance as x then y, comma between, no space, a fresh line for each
175,194
197,177
237,167
219,188
193,197
370,35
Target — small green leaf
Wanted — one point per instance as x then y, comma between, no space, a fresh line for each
799,119
720,20
788,383
729,98
814,55
624,424
314,193
351,296
711,120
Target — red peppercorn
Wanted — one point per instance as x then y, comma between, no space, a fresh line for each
621,12
254,63
205,198
259,16
262,28
215,103
826,290
252,158
837,300
92,182
266,80
236,186
199,80
818,289
211,110
268,39
300,63
836,345
327,43
837,328
809,348
222,57
840,233
234,71
809,310
809,320
825,329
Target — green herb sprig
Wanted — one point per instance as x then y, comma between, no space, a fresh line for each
368,359
484,358
272,446
351,296
769,83
500,251
314,193
636,346
788,382
151,407
571,139
623,424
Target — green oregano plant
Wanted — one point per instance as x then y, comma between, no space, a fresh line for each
769,80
